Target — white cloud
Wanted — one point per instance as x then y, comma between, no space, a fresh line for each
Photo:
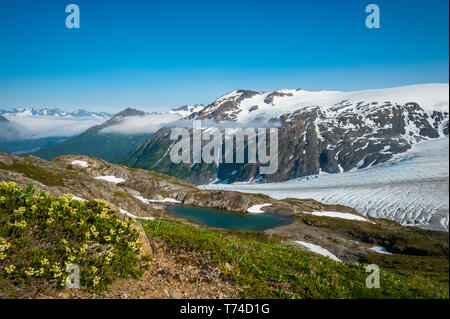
142,124
153,122
33,127
10,132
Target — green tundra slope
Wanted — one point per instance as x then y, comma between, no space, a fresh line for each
94,142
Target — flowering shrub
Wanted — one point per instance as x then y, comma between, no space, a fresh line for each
41,235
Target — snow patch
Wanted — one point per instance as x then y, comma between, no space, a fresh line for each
111,178
165,200
78,198
318,250
80,163
338,215
380,250
124,212
256,209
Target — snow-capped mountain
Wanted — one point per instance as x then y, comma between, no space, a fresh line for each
187,110
319,132
54,112
245,105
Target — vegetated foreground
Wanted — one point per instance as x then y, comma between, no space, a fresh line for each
263,267
42,234
418,265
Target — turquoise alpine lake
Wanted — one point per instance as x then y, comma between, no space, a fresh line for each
229,220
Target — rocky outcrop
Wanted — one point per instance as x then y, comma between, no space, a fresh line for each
60,177
63,175
270,97
225,108
232,201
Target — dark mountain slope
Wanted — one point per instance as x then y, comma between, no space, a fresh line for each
93,142
327,133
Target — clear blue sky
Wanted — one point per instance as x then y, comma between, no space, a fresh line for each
157,54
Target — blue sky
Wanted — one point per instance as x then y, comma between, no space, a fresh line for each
157,54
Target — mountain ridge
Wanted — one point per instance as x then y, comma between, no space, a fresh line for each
323,131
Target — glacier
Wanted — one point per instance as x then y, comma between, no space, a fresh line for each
412,188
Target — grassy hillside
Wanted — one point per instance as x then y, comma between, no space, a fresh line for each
265,268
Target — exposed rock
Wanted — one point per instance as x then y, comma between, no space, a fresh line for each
61,177
253,108
269,99
347,136
146,247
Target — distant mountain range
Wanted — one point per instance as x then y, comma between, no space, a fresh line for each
94,143
55,112
114,138
24,130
